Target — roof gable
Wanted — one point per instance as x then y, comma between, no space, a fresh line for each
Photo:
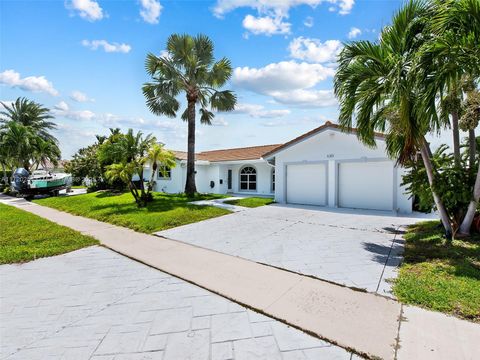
328,125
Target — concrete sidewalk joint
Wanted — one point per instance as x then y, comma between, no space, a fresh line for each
365,323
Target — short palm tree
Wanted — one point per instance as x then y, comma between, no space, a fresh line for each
157,154
376,82
188,67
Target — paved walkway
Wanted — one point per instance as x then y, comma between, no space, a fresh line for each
96,304
359,249
366,323
220,203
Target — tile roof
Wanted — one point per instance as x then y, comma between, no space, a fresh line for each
257,152
245,153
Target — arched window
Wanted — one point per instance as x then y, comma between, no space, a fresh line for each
248,178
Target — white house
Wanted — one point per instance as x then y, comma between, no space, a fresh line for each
324,167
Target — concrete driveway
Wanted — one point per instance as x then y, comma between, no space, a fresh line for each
354,248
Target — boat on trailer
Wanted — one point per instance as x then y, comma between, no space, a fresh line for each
40,182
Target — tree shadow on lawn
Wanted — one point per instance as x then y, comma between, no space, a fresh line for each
161,203
425,243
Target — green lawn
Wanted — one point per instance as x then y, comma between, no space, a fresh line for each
25,237
440,277
251,202
164,212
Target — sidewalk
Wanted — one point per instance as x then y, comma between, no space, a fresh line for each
366,323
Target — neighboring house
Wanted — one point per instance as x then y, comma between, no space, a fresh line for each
324,167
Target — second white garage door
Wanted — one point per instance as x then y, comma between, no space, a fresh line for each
366,185
307,184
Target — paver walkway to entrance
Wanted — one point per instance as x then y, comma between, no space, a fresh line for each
366,323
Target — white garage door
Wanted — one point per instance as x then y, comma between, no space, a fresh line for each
366,185
307,184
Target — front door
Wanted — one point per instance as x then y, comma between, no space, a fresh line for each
229,179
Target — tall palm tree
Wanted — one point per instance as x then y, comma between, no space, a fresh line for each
375,81
158,154
456,26
188,67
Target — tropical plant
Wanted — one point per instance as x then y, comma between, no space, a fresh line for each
86,167
25,135
128,152
188,67
157,154
451,180
455,26
376,81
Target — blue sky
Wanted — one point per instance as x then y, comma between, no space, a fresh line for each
84,59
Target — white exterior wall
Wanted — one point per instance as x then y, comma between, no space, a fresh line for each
176,184
264,184
215,172
333,146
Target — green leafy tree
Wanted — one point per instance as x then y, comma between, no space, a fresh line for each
124,153
25,134
157,154
188,68
377,82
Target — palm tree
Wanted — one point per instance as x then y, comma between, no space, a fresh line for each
188,67
124,172
376,81
30,114
456,26
158,154
25,132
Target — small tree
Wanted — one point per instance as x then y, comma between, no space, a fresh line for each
158,154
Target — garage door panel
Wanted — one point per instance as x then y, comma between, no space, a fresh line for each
366,185
307,184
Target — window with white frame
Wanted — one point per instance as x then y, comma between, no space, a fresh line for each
248,179
164,173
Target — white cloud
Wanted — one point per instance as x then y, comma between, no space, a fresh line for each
78,96
150,11
107,47
345,6
279,7
308,98
63,110
354,32
259,111
62,106
30,83
282,76
219,121
314,50
87,9
308,22
266,25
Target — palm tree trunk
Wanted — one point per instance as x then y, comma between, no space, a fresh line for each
472,207
425,151
190,187
152,176
472,147
456,138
